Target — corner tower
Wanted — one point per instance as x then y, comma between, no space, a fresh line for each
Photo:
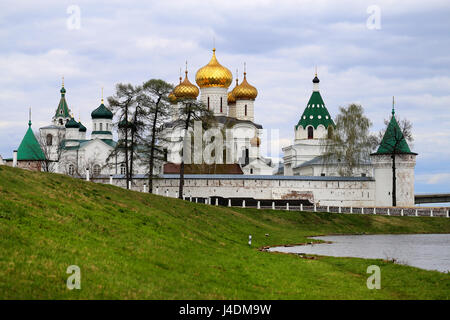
394,165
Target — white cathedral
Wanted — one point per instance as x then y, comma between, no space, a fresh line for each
233,109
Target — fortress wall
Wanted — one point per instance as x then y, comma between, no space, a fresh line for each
321,192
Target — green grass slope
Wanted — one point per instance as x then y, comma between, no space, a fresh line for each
131,245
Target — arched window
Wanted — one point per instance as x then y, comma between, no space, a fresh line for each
330,132
246,110
96,170
95,127
71,169
61,122
101,126
310,132
123,170
221,105
208,103
49,139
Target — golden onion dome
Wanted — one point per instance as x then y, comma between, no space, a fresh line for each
231,97
172,98
245,91
255,141
186,90
213,74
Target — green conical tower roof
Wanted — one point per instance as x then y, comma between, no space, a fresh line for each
316,112
29,148
393,139
63,109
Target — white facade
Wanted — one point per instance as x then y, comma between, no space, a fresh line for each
215,98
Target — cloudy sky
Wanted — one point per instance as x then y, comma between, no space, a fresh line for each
405,53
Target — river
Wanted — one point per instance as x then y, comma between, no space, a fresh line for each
426,251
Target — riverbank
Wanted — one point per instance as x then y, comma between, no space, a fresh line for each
131,245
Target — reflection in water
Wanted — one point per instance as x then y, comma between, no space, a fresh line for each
426,251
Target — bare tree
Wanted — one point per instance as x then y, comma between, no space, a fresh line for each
350,142
53,147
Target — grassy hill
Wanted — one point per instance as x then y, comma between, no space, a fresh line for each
131,245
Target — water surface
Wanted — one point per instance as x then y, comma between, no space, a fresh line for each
426,251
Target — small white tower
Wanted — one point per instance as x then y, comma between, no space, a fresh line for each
311,134
394,155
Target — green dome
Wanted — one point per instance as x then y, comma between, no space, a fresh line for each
102,112
72,124
82,128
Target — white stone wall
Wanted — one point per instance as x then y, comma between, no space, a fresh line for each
57,133
215,95
102,125
300,152
240,110
232,110
302,133
327,193
72,134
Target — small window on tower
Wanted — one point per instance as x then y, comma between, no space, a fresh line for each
221,105
330,132
245,110
49,139
95,127
310,132
208,103
101,126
